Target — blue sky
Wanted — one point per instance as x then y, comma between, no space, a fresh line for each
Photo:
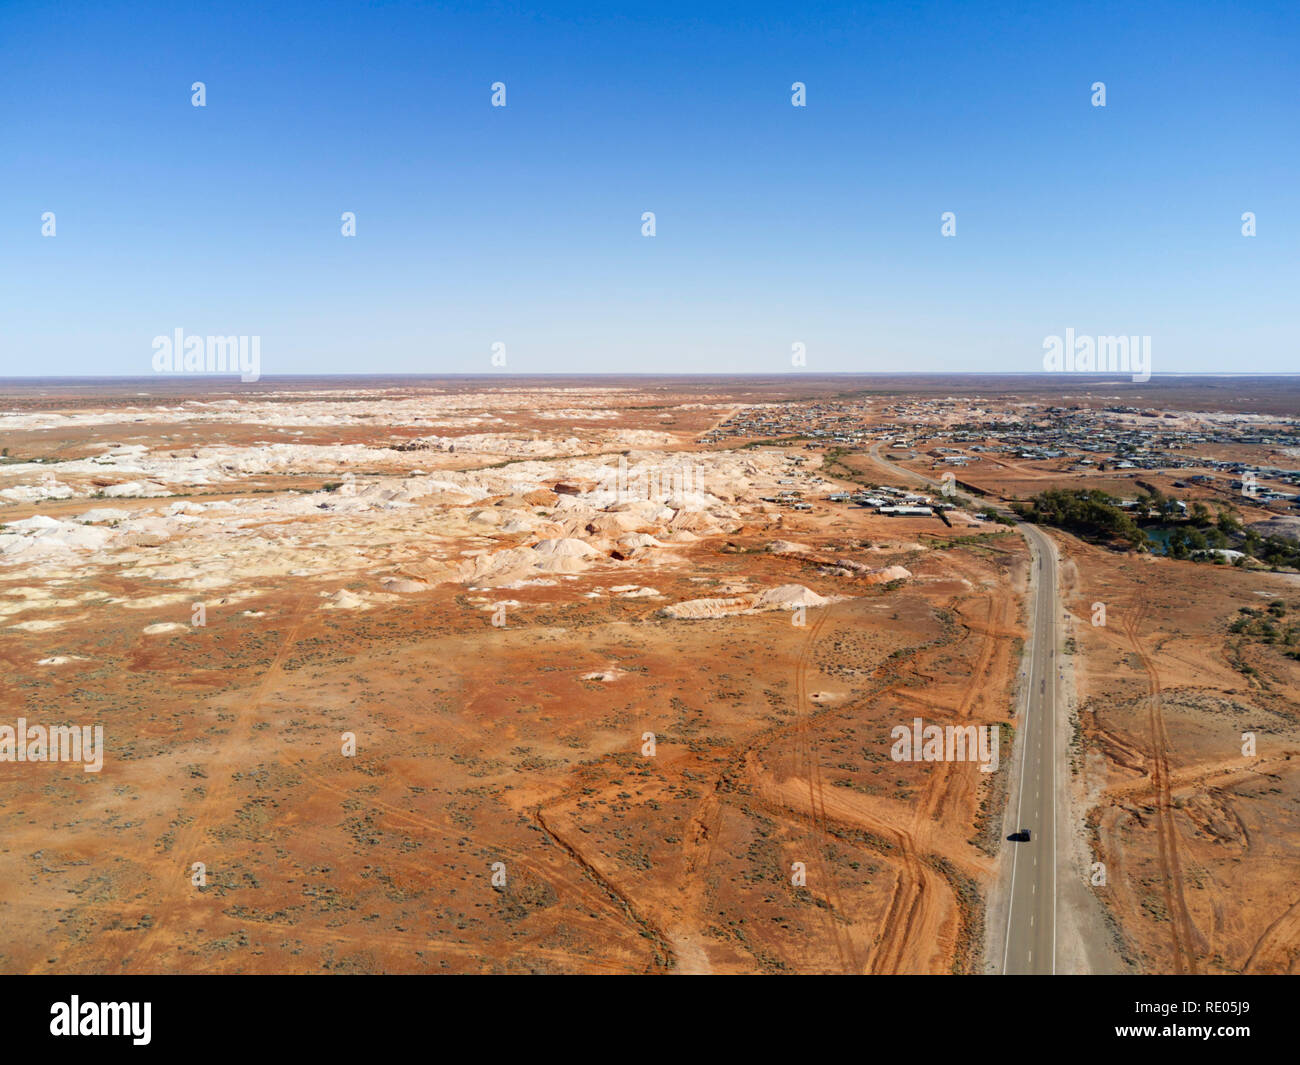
522,224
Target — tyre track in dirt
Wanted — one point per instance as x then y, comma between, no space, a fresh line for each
915,892
910,913
1278,949
1180,921
190,841
947,795
664,956
918,889
945,784
601,894
706,823
807,752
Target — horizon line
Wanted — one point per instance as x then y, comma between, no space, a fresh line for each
1075,375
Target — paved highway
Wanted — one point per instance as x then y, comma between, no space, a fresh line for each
1030,943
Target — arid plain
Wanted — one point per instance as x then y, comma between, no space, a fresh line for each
574,675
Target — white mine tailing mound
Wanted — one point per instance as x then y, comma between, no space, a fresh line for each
504,565
556,555
345,600
563,564
403,584
135,488
41,537
38,624
567,502
613,524
789,597
98,514
695,609
692,521
787,547
37,521
784,597
648,510
887,574
36,493
564,547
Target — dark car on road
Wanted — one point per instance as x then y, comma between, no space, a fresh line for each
1019,837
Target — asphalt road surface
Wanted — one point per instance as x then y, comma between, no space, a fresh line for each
1031,915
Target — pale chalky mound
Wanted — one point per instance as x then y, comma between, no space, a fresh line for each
887,574
789,597
696,609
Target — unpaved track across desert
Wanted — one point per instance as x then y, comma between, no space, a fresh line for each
1275,951
1180,921
190,844
913,911
811,762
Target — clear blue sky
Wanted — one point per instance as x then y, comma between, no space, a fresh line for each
523,224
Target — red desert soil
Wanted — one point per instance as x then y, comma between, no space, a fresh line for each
443,571
1197,831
